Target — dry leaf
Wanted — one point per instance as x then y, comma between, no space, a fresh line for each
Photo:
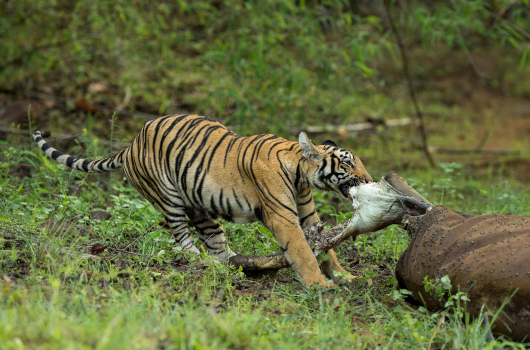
84,105
181,262
99,88
97,248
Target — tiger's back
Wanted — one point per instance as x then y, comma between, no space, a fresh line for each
215,172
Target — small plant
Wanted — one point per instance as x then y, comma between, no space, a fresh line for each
446,183
442,289
400,294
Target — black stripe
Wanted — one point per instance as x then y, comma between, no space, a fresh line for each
70,161
237,199
307,202
85,165
56,154
259,213
302,220
298,174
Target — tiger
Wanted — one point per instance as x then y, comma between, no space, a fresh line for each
191,167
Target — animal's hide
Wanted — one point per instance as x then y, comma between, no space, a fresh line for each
487,256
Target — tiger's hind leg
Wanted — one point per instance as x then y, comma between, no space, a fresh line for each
213,238
179,228
165,197
175,216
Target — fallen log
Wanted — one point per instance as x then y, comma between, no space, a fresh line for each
477,151
357,127
59,136
259,263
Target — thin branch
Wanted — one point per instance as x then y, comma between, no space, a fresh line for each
485,138
412,90
513,26
132,253
125,101
484,151
471,61
442,319
120,109
357,127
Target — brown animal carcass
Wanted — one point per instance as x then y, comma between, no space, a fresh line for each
486,256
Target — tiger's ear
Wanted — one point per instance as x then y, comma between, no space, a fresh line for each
329,143
308,148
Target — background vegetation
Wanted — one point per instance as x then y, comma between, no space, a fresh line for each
257,66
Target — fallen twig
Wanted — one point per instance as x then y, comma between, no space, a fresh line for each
348,128
471,151
359,126
510,24
126,100
132,253
442,319
248,263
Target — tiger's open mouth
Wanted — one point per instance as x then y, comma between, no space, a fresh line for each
345,188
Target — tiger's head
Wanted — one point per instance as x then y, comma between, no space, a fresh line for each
332,168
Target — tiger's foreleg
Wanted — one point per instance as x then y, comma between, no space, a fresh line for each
331,265
308,216
213,238
285,228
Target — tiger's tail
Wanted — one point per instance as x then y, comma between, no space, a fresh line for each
99,166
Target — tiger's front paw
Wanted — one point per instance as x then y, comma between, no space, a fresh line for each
324,284
343,278
347,279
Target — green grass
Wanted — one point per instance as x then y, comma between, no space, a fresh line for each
53,297
252,64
